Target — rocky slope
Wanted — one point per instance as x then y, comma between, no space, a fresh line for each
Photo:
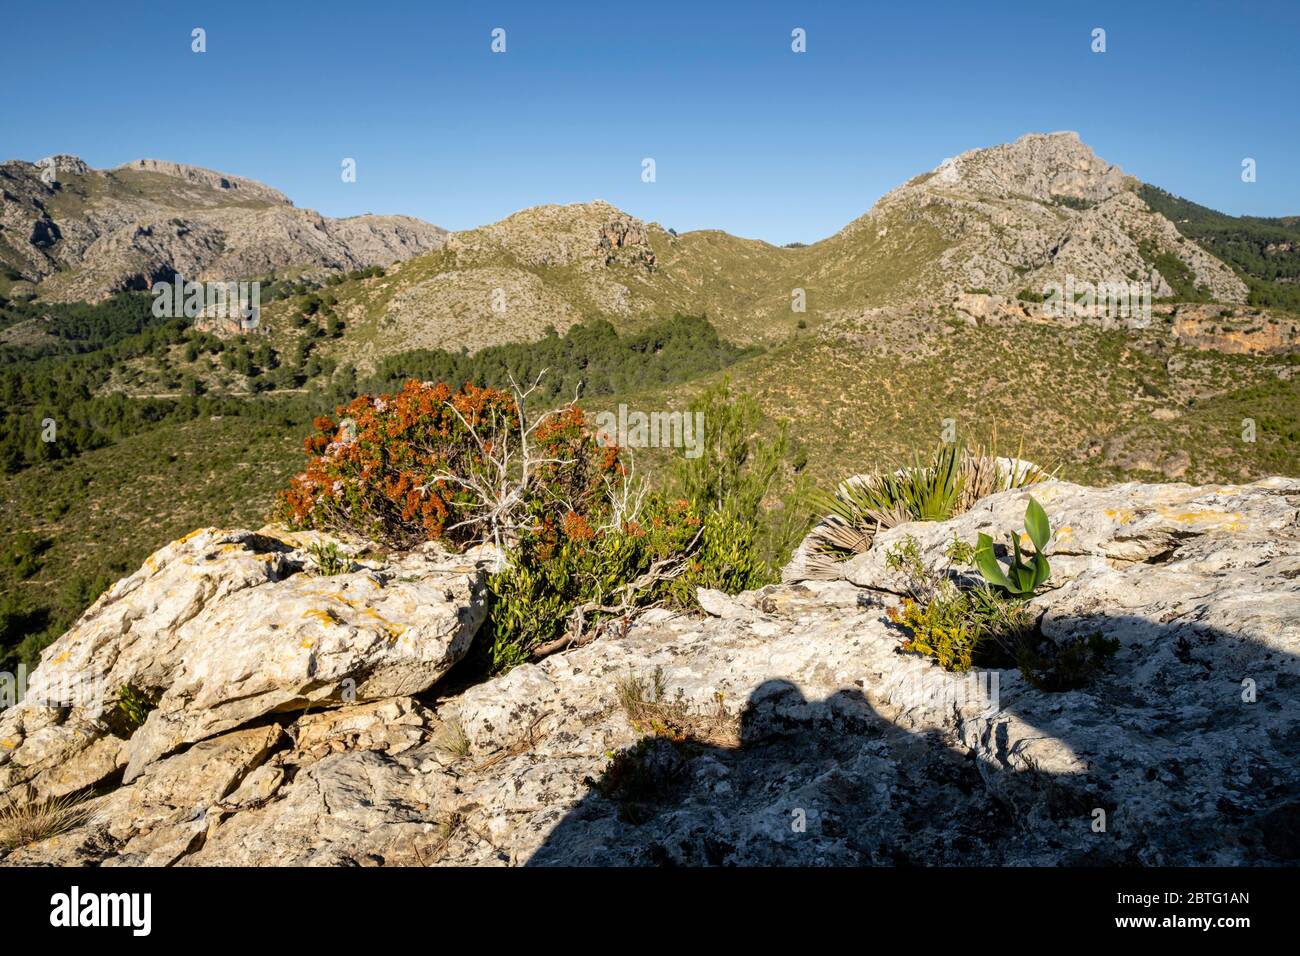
83,233
303,719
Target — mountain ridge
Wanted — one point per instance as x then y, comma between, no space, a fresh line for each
1000,220
69,232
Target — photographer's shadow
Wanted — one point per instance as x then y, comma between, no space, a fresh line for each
833,782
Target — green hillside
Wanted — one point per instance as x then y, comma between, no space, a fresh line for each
1265,252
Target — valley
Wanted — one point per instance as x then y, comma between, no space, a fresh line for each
922,318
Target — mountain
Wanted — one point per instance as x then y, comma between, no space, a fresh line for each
78,233
1264,250
1000,222
1020,216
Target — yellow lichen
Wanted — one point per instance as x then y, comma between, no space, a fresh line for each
1228,520
320,614
333,596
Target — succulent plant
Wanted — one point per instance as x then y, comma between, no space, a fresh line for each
1022,577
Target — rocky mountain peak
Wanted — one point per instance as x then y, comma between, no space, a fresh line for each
1045,166
1021,215
65,164
590,235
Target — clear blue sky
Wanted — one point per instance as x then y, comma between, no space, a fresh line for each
747,136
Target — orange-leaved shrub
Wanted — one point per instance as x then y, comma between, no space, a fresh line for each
458,467
585,543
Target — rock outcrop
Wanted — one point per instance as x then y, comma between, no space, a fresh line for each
222,629
586,235
784,726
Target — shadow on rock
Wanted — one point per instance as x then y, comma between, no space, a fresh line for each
1184,751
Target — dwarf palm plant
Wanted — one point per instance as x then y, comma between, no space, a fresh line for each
952,480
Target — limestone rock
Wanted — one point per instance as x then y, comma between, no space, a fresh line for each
791,728
221,628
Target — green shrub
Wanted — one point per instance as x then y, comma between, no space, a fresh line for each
959,628
132,710
25,553
981,626
712,530
562,583
328,560
736,478
563,580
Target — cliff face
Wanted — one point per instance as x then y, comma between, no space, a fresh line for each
301,719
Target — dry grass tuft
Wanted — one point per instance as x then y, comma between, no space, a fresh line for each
651,712
450,739
22,824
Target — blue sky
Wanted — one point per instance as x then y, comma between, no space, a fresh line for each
747,136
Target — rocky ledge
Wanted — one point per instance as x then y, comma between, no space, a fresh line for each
303,719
